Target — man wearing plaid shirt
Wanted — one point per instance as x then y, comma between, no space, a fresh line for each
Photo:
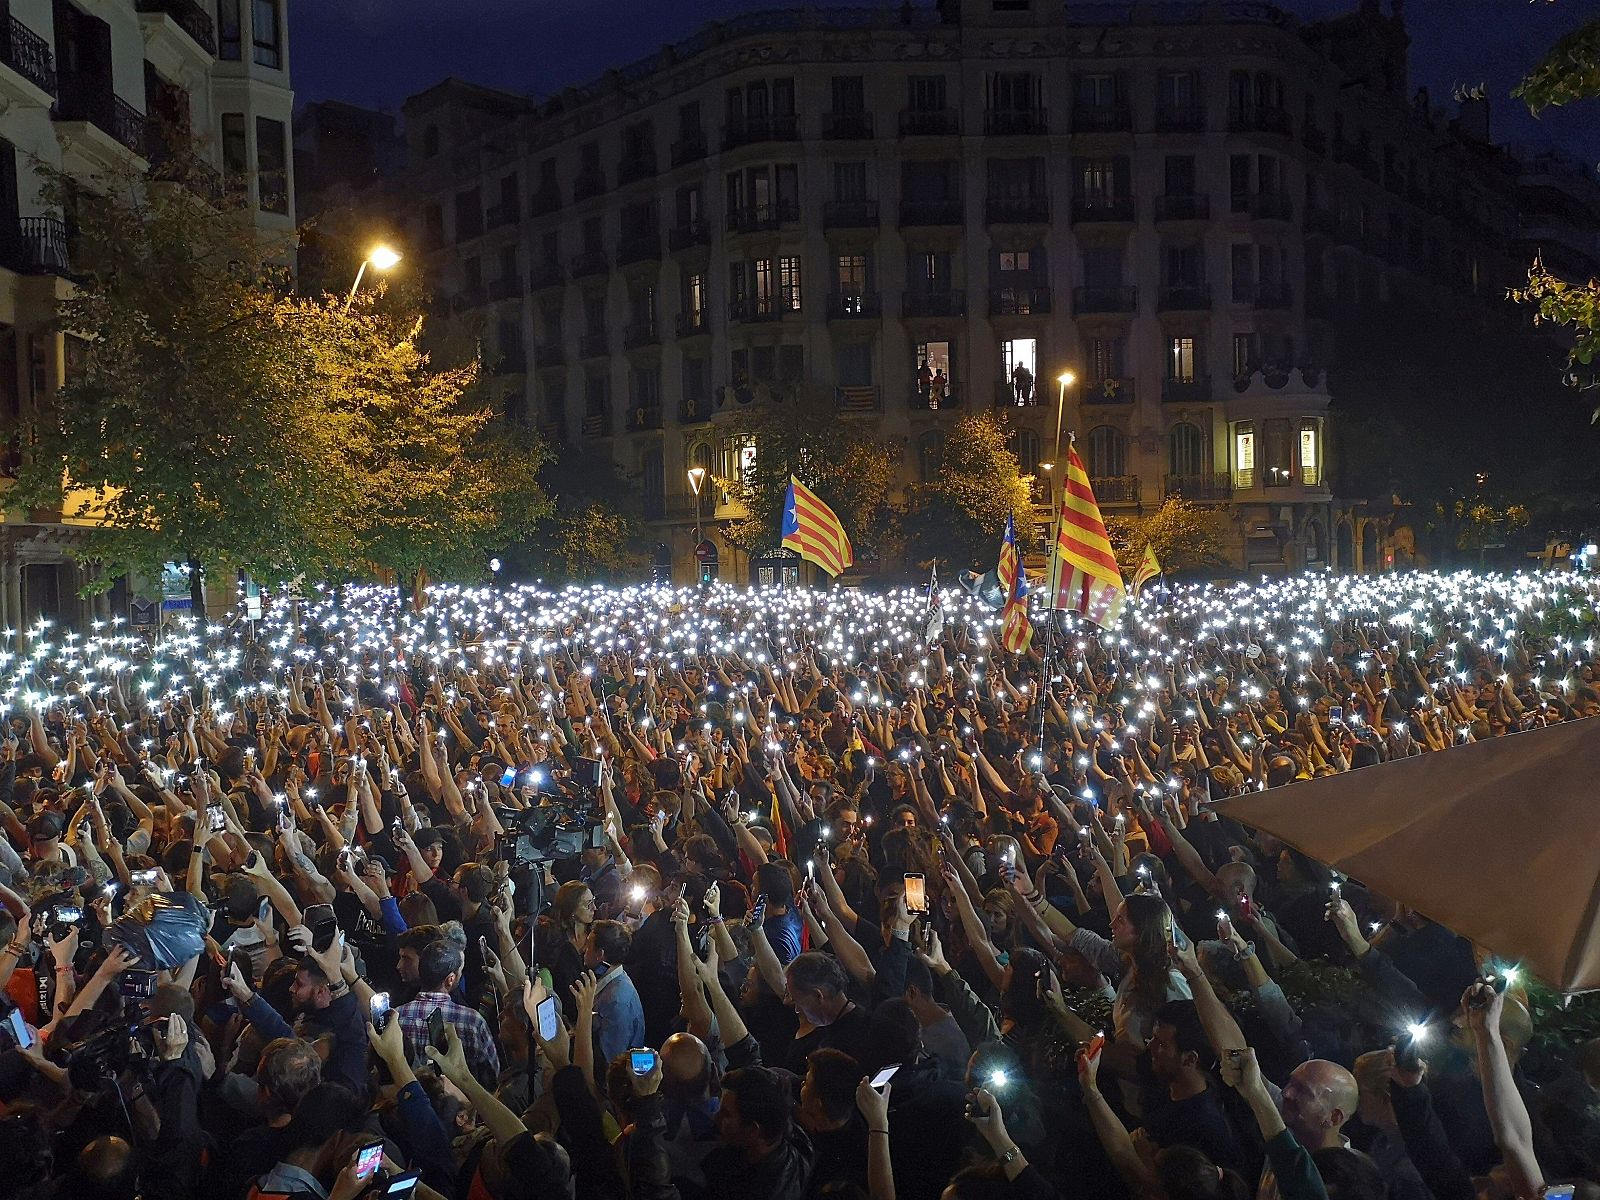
438,971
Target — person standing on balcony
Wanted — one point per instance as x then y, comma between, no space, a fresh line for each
1022,384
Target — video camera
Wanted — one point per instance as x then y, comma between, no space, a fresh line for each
550,832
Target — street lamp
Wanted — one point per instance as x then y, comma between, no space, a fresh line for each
697,477
1066,379
380,258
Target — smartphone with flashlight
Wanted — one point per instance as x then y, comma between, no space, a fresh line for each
883,1077
216,819
380,1011
916,892
508,777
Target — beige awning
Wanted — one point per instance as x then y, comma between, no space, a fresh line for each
1498,841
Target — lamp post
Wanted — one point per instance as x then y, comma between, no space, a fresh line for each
1066,379
380,258
697,477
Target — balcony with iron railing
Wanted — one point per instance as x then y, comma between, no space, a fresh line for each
594,345
850,214
1112,389
28,54
549,354
512,361
1208,485
937,122
689,148
691,323
1260,118
763,218
923,213
1194,390
1116,489
847,126
1271,206
1016,122
1184,297
1180,118
1277,295
1322,221
640,333
750,309
588,184
597,424
546,275
1102,209
35,246
914,303
691,233
89,99
505,287
756,128
546,200
640,247
694,410
1019,301
1119,298
642,419
854,306
856,399
637,166
1101,118
553,432
1017,208
1183,208
590,262
935,398
1006,396
189,17
502,214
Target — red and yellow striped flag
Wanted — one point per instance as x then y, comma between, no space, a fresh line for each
1016,630
811,529
1091,584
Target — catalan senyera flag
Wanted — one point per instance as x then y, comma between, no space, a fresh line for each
1016,630
1091,584
1149,568
811,529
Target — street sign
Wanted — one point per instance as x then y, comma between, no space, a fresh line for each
706,551
142,612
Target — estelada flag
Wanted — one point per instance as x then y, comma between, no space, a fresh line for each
1091,583
1149,568
811,529
1016,631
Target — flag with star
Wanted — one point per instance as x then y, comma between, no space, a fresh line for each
1016,630
811,529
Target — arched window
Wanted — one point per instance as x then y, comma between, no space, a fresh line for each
1185,450
1024,443
655,484
930,456
1108,452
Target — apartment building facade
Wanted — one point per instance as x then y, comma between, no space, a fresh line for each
923,211
92,88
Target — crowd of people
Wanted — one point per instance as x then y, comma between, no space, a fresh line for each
763,895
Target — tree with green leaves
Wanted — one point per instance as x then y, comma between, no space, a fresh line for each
1185,536
594,529
959,514
844,462
190,426
1570,72
440,485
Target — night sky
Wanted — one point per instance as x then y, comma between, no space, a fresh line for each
377,52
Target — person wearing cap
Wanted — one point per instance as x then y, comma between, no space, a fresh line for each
44,839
